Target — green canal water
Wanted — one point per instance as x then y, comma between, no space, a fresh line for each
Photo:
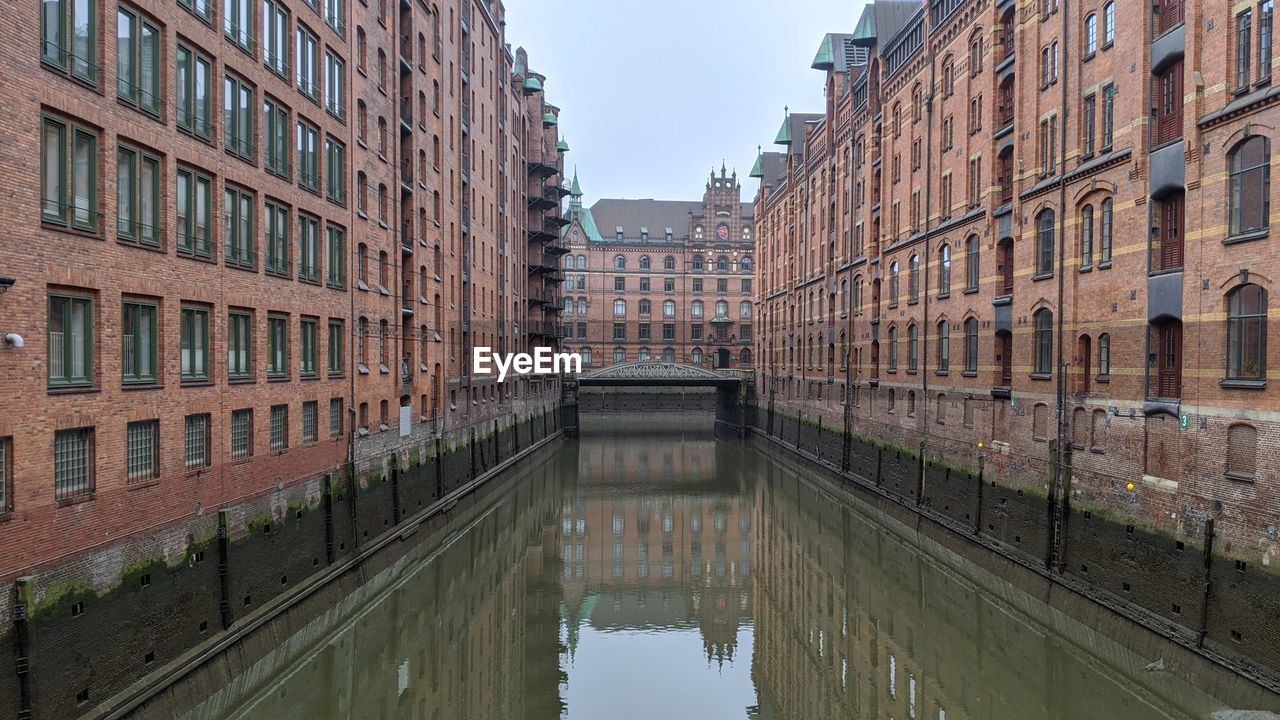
648,570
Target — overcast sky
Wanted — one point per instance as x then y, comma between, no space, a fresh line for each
654,93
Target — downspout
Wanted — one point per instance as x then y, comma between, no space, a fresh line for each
1061,413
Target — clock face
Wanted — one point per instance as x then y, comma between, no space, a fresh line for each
722,233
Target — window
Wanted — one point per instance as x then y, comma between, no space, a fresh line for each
971,345
619,307
744,309
644,260
275,138
1164,369
972,268
279,427
275,34
1044,243
69,32
307,60
1265,14
1167,98
70,341
138,360
668,331
70,192
1244,53
893,349
334,14
1088,122
913,282
241,434
668,285
619,355
142,450
277,346
310,431
334,84
237,117
644,306
137,61
308,248
1086,237
1242,452
619,284
194,204
196,441
337,362
335,257
696,309
335,159
1104,245
239,346
1166,232
668,308
944,271
137,197
1250,199
307,348
1090,34
239,227
194,93
944,346
1247,333
620,263
893,284
1044,342
913,348
335,417
238,22
276,221
195,344
73,476
1108,24
1048,145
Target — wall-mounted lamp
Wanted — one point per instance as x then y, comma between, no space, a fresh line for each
6,283
15,340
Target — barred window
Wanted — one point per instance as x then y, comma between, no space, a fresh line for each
335,417
279,427
143,450
242,434
309,429
73,463
196,440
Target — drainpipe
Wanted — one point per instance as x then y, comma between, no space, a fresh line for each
1059,528
924,288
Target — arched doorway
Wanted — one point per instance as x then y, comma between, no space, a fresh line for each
722,358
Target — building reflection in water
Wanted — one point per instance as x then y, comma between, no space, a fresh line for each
649,571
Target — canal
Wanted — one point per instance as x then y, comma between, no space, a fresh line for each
651,571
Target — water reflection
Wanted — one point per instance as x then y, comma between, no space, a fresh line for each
655,573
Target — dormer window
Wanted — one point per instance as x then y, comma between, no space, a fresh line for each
669,234
618,232
644,234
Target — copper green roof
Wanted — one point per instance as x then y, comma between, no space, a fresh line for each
532,83
865,32
784,133
826,57
562,146
548,119
576,190
756,170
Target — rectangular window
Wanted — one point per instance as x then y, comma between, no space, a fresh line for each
137,61
195,344
334,84
277,346
1108,115
275,34
275,138
310,430
668,331
138,359
279,427
70,168
619,331
142,453
194,207
237,117
308,148
238,23
196,442
276,220
1244,52
335,160
242,434
308,248
695,332
193,93
335,417
337,362
307,350
334,14
73,475
335,257
307,60
239,227
70,341
644,332
1265,14
669,285
203,9
239,346
1088,122
68,30
137,197
697,284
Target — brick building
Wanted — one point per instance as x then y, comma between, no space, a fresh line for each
1042,229
223,306
667,280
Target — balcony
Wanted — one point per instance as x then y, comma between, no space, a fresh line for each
406,300
406,176
466,118
406,115
544,200
406,54
466,219
466,169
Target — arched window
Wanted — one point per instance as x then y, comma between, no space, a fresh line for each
697,262
1104,234
1247,333
857,295
582,262
645,355
619,307
893,284
897,119
619,355
893,349
668,308
568,262
911,403
1086,236
944,270
668,263
971,269
582,306
722,264
917,103
695,357
1044,341
913,282
944,346
1044,242
913,347
644,262
668,355
971,345
975,54
1090,34
746,264
744,309
619,263
695,309
1104,355
1250,164
744,357
948,77
722,308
